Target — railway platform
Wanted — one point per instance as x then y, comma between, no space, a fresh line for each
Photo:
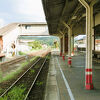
64,83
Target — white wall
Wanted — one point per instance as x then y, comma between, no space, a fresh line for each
35,30
10,38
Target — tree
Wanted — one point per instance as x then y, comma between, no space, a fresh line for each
35,45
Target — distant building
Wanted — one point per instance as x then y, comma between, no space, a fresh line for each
23,45
81,43
97,44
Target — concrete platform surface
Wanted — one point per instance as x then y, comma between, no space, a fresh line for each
66,83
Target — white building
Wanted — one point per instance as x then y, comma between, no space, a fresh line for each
23,45
10,33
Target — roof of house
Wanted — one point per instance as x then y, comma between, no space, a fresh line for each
33,23
4,30
8,28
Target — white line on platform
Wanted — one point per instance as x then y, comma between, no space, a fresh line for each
66,83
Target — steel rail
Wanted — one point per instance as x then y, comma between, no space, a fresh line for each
35,79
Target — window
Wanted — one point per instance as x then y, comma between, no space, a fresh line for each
27,26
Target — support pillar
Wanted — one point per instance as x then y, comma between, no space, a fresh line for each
72,45
88,73
69,44
66,44
63,56
89,25
61,46
94,41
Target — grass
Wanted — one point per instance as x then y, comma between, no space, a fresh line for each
22,53
37,66
32,70
32,59
1,77
17,93
39,83
14,73
24,64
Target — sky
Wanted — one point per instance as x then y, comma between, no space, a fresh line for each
21,11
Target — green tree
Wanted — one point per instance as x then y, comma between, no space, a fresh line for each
35,45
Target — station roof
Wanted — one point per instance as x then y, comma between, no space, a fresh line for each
68,11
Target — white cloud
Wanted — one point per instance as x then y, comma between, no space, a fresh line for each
21,11
29,8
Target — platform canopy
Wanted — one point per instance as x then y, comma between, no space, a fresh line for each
68,11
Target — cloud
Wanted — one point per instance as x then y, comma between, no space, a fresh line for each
21,11
5,15
29,8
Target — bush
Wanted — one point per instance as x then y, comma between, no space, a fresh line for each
35,45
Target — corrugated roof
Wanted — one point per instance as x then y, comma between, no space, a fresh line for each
35,23
8,28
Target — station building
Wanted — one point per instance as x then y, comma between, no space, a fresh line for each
10,33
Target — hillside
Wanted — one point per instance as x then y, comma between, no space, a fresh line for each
49,40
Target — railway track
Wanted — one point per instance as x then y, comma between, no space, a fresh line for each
13,61
26,81
37,92
30,89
